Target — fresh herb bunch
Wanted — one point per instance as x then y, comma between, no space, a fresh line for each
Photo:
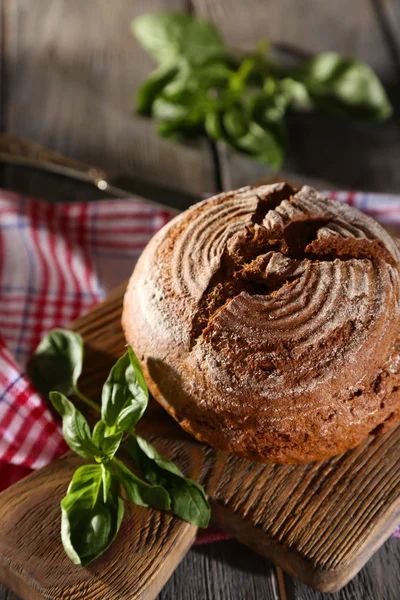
199,87
92,510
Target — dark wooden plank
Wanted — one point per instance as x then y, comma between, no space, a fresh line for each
33,563
306,27
392,11
328,154
6,594
222,571
379,580
72,87
321,151
388,15
230,571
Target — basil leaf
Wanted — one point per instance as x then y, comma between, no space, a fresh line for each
178,128
180,108
57,362
213,125
125,395
188,498
188,501
91,514
210,75
106,439
106,479
178,89
141,382
295,94
193,83
152,87
270,85
238,80
269,109
75,428
177,119
169,35
235,122
263,144
140,492
145,449
164,110
344,87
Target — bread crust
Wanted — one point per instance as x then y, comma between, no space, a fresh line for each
267,322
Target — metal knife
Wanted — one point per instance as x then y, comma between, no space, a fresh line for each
20,152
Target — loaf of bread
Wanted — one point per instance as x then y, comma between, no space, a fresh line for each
267,323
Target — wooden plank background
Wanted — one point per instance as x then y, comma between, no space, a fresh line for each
350,156
68,74
71,70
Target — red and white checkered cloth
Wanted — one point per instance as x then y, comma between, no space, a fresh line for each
56,261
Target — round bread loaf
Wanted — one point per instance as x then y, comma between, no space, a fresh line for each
267,323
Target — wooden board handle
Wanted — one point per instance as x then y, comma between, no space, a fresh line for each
34,565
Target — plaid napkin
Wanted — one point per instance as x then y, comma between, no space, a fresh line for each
56,261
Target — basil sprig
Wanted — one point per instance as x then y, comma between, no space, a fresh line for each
199,87
188,499
93,509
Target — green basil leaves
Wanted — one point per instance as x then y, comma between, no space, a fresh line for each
152,87
140,492
57,362
188,499
91,513
76,430
170,35
344,87
106,439
92,510
199,88
124,397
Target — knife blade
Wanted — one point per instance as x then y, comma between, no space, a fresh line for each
118,185
174,199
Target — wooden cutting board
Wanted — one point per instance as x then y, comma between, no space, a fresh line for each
320,522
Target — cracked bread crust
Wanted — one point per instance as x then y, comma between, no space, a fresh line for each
267,323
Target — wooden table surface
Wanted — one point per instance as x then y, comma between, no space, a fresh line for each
69,70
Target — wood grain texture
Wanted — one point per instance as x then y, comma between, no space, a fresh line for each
302,29
377,581
320,522
95,126
388,15
230,571
392,9
328,154
244,576
321,151
35,565
72,71
222,571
